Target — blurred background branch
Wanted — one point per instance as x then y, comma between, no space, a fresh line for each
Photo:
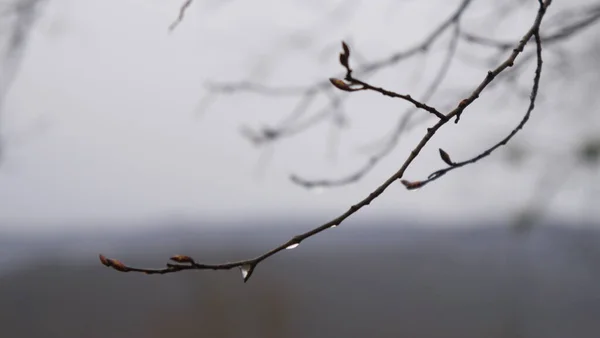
17,18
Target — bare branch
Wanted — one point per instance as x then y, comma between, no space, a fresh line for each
248,266
365,70
401,126
534,91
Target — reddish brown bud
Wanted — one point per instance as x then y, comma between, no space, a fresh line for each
104,260
118,265
182,259
339,84
412,185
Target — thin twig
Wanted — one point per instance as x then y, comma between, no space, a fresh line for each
289,127
564,32
182,11
401,126
365,70
259,88
532,98
247,266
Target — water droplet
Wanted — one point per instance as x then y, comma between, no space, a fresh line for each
246,270
333,226
293,246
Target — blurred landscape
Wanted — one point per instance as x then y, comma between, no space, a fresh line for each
381,279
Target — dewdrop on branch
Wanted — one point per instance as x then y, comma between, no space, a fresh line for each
295,242
246,271
292,246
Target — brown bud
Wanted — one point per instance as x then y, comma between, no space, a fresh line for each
412,185
104,260
346,49
182,259
445,157
339,84
118,265
345,55
344,60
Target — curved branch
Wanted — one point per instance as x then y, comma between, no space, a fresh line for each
247,266
532,98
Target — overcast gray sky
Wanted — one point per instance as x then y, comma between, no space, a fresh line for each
100,122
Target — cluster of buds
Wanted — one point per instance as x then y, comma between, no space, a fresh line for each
344,61
113,263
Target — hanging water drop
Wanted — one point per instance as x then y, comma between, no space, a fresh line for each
246,270
292,246
333,226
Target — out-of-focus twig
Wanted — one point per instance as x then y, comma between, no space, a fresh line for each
21,15
182,11
591,16
294,125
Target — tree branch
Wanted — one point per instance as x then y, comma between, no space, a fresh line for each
248,266
532,98
398,130
365,70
